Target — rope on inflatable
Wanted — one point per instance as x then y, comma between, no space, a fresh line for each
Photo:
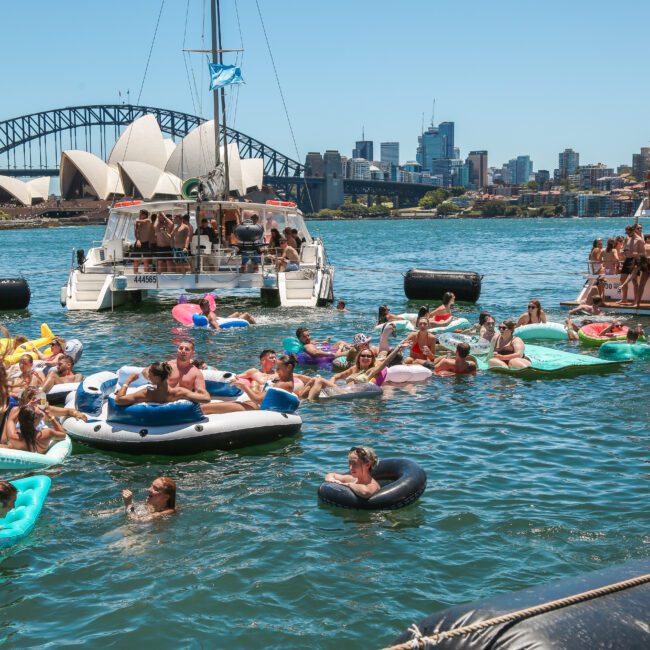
419,641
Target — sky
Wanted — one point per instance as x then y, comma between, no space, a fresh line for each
516,77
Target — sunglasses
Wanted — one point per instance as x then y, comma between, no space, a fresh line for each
502,327
365,356
531,306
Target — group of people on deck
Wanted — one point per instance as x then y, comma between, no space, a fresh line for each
627,256
163,241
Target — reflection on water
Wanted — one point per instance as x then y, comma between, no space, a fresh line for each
528,480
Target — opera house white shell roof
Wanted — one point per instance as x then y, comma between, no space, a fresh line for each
25,193
144,164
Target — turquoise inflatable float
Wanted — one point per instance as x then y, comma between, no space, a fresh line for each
541,331
549,362
455,324
622,351
403,325
19,522
14,459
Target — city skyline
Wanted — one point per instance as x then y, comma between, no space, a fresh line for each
537,104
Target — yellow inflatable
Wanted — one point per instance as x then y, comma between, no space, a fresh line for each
26,348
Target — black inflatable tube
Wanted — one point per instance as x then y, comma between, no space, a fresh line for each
403,482
14,293
616,620
423,284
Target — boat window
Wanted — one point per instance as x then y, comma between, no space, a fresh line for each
111,225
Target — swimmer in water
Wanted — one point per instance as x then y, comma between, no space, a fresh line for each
361,461
161,501
8,495
459,365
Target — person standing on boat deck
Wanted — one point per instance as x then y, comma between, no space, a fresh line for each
289,260
64,374
180,244
361,461
213,320
163,229
610,258
208,231
508,350
185,374
595,256
639,274
628,261
143,231
534,314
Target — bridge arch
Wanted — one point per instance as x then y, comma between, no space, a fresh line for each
31,145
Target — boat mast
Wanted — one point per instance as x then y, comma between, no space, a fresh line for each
217,58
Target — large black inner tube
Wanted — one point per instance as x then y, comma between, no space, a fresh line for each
14,293
423,284
402,480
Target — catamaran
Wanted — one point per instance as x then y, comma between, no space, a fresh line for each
239,250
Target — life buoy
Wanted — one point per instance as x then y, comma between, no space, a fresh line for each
403,481
284,204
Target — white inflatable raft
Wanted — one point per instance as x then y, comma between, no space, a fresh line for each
14,459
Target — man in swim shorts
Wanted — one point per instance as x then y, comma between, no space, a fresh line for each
181,235
289,260
459,365
213,320
185,374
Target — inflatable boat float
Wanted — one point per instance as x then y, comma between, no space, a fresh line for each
542,331
402,482
623,351
19,522
176,428
591,334
549,362
604,609
19,461
189,314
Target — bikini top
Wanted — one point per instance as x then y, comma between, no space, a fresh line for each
508,348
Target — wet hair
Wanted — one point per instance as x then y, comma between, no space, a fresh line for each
203,302
446,298
26,420
483,316
161,370
382,314
365,455
632,335
169,488
288,360
422,312
598,300
266,352
463,350
509,324
300,331
341,303
189,342
7,492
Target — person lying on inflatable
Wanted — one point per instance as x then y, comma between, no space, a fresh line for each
311,347
361,461
459,365
213,322
365,370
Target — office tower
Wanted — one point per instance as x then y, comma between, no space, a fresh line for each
390,153
568,163
478,162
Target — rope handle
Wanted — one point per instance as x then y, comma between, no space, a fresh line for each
419,641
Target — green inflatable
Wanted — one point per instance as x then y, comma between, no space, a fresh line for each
549,362
621,351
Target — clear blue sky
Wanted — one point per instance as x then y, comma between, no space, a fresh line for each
516,77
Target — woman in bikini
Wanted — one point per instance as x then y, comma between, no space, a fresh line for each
534,314
422,344
508,349
441,315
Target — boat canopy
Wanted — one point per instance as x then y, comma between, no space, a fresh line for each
121,220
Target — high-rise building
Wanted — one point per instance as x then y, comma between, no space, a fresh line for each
360,169
589,174
390,153
478,168
641,164
435,143
542,178
568,163
363,148
524,169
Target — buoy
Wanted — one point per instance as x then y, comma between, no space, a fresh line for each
423,284
14,293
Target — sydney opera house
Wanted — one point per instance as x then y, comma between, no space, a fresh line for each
142,164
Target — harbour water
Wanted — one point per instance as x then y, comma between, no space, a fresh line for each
528,481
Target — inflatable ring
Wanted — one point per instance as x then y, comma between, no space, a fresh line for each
351,391
403,482
20,521
190,188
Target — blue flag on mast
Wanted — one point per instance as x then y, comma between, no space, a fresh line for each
224,75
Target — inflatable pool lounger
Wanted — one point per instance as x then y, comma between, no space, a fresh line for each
17,460
550,362
19,522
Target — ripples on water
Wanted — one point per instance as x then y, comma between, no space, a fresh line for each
528,480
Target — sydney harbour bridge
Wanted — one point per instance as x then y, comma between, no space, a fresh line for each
31,145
